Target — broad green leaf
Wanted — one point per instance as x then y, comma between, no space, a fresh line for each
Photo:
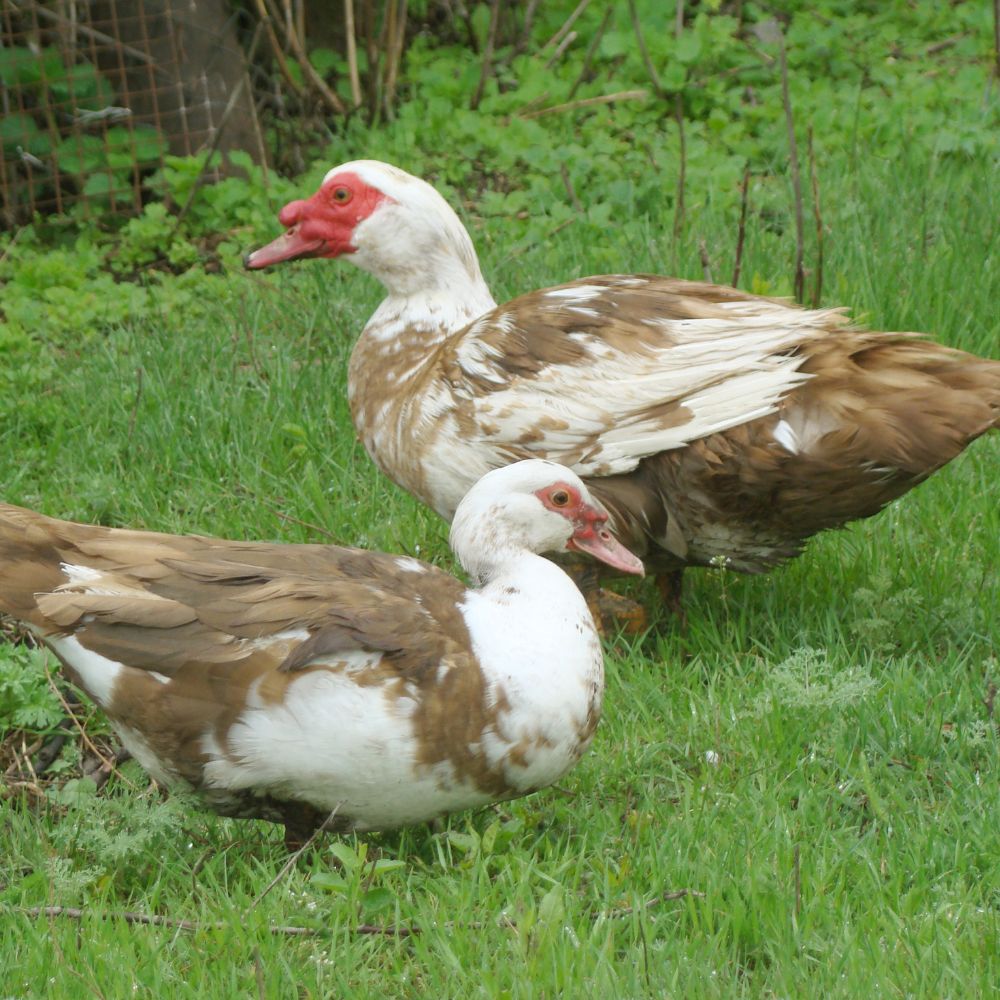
376,900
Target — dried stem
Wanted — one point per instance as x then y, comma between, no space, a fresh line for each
335,104
135,405
793,154
258,968
151,919
276,49
560,49
525,36
486,69
990,699
682,168
706,263
798,880
664,897
679,116
395,36
996,37
290,863
585,102
213,147
302,524
541,240
372,49
352,53
817,215
155,920
470,28
742,229
76,722
567,24
592,50
570,190
643,51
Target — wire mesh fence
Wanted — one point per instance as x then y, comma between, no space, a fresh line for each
94,95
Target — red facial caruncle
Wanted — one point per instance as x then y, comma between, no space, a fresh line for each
590,533
323,225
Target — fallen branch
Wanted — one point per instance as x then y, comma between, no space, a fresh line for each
70,714
401,931
155,920
150,919
290,863
302,524
947,43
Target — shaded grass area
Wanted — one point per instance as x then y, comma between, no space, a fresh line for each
816,759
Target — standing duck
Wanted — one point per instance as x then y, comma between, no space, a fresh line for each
714,425
289,682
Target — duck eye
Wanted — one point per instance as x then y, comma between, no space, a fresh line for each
559,498
341,195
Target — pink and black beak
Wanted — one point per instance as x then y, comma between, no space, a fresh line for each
591,535
303,238
323,225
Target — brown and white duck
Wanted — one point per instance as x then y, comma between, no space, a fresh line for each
715,425
290,681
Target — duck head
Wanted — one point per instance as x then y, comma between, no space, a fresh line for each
388,222
533,505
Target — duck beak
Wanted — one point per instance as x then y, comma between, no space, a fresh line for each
289,246
593,537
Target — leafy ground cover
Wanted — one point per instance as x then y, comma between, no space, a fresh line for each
796,798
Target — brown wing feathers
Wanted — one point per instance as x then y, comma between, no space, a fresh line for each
166,601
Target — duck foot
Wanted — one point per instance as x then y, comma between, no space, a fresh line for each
671,586
612,612
616,614
302,824
296,839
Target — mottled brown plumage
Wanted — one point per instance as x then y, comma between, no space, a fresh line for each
715,425
282,681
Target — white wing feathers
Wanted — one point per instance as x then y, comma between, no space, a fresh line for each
606,411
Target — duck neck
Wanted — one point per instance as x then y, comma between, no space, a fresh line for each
429,267
425,317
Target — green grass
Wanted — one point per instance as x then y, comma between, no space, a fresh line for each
840,699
